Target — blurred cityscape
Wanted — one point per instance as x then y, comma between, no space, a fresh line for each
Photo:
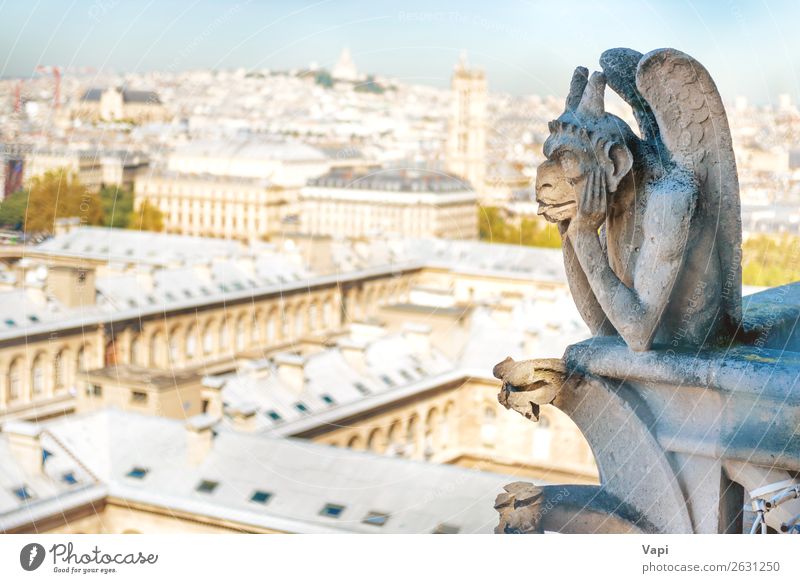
271,301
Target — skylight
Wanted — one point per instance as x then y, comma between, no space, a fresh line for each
138,473
69,478
362,388
207,486
274,415
328,399
332,510
300,406
23,493
260,497
376,518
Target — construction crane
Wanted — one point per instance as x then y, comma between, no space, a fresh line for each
56,71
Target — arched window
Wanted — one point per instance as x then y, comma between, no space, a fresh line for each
15,379
489,426
37,376
354,442
285,316
80,359
241,333
327,314
255,328
191,342
313,317
411,436
223,335
270,334
298,322
375,441
208,338
156,348
136,351
394,438
59,371
174,346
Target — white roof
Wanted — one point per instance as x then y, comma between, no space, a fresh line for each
301,478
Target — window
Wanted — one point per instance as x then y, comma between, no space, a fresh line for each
362,388
406,375
14,380
207,486
389,382
376,518
274,415
301,407
10,323
191,342
446,529
137,472
69,478
23,493
332,510
138,397
260,497
328,399
97,390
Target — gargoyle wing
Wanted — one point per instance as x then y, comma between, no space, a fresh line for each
619,67
694,129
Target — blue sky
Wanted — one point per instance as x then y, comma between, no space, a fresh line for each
526,46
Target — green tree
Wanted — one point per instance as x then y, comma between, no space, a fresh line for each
12,210
117,207
147,218
54,195
494,228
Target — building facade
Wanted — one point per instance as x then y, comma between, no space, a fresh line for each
466,135
389,202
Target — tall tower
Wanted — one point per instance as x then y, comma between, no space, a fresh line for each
466,136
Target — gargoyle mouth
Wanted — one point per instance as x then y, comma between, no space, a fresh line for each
545,208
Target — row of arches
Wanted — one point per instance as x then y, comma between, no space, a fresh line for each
41,374
419,436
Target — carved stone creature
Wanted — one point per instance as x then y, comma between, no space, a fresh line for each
651,225
529,384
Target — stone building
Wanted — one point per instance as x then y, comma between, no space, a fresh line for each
115,472
388,202
466,132
119,104
241,188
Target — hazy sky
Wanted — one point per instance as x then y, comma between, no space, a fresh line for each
526,46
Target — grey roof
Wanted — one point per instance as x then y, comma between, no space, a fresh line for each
390,363
391,179
300,476
128,96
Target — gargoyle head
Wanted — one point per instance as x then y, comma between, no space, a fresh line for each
584,139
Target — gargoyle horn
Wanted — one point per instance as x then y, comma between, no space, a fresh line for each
593,100
579,79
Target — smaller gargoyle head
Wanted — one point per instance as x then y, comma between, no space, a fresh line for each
584,139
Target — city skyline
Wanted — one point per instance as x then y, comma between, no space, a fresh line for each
525,47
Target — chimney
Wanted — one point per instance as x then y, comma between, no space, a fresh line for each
72,286
355,353
25,444
291,369
199,437
244,416
418,336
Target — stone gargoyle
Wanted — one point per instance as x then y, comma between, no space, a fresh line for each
651,237
650,223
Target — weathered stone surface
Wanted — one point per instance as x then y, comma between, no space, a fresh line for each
687,400
667,265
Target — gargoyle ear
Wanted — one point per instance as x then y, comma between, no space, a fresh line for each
621,163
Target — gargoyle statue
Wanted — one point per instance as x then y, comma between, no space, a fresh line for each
651,225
